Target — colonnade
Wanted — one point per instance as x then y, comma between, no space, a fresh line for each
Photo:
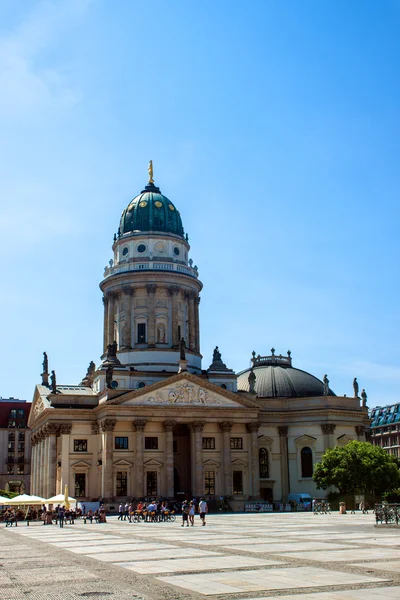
44,458
127,336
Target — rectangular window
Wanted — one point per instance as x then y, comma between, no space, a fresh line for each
209,483
11,436
175,446
13,413
151,479
151,443
20,413
21,447
208,443
122,483
10,469
236,443
121,443
21,436
11,446
20,469
141,333
237,482
80,485
80,445
11,423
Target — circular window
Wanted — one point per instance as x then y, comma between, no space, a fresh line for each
125,251
114,384
141,248
143,204
158,204
171,207
141,384
176,251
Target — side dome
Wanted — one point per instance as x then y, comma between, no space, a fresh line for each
151,211
276,378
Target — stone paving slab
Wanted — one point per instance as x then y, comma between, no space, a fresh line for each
57,575
135,545
150,554
393,566
233,582
256,546
381,593
347,555
102,542
207,563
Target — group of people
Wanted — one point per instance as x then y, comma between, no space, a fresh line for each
158,508
320,507
189,511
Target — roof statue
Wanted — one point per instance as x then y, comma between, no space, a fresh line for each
355,387
364,397
53,382
325,381
89,377
45,374
112,350
109,376
216,355
150,170
182,349
252,382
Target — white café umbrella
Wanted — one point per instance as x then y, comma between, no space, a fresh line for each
4,500
25,499
60,498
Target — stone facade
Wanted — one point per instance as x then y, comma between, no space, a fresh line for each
150,422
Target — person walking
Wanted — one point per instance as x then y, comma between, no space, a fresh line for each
192,509
120,512
126,511
203,510
185,513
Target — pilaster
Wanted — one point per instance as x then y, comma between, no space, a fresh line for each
283,442
139,427
107,428
252,428
196,429
227,457
168,427
151,290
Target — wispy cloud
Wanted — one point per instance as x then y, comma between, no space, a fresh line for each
26,85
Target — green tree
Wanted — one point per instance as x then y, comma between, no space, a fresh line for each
358,467
8,494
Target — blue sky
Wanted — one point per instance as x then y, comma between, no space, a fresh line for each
273,126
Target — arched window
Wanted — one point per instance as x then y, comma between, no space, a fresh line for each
263,463
306,462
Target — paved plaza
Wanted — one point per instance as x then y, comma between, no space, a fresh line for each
240,557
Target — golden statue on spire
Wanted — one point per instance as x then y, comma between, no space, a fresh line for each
150,170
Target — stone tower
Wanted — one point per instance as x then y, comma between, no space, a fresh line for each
150,294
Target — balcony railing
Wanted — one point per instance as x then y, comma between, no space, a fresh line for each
387,514
150,266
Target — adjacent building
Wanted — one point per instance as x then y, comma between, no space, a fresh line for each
385,428
150,420
15,446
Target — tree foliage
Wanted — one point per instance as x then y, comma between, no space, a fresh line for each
6,494
358,467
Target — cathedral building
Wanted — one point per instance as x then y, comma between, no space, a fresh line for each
149,421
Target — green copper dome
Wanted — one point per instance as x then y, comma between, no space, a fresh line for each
151,211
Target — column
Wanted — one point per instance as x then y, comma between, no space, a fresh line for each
139,427
173,291
127,327
360,431
110,317
169,456
328,430
42,473
107,487
283,442
252,428
226,457
33,462
151,336
105,326
46,463
65,431
52,431
192,329
196,321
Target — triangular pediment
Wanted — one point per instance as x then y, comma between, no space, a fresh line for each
265,442
210,463
343,440
81,464
152,463
39,404
184,389
306,440
238,462
122,463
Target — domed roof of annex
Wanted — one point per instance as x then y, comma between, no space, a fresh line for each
151,211
276,378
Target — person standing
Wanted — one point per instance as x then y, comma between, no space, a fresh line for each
126,511
185,513
203,510
61,515
120,512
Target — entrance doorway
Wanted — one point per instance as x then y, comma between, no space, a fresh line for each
267,494
182,463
